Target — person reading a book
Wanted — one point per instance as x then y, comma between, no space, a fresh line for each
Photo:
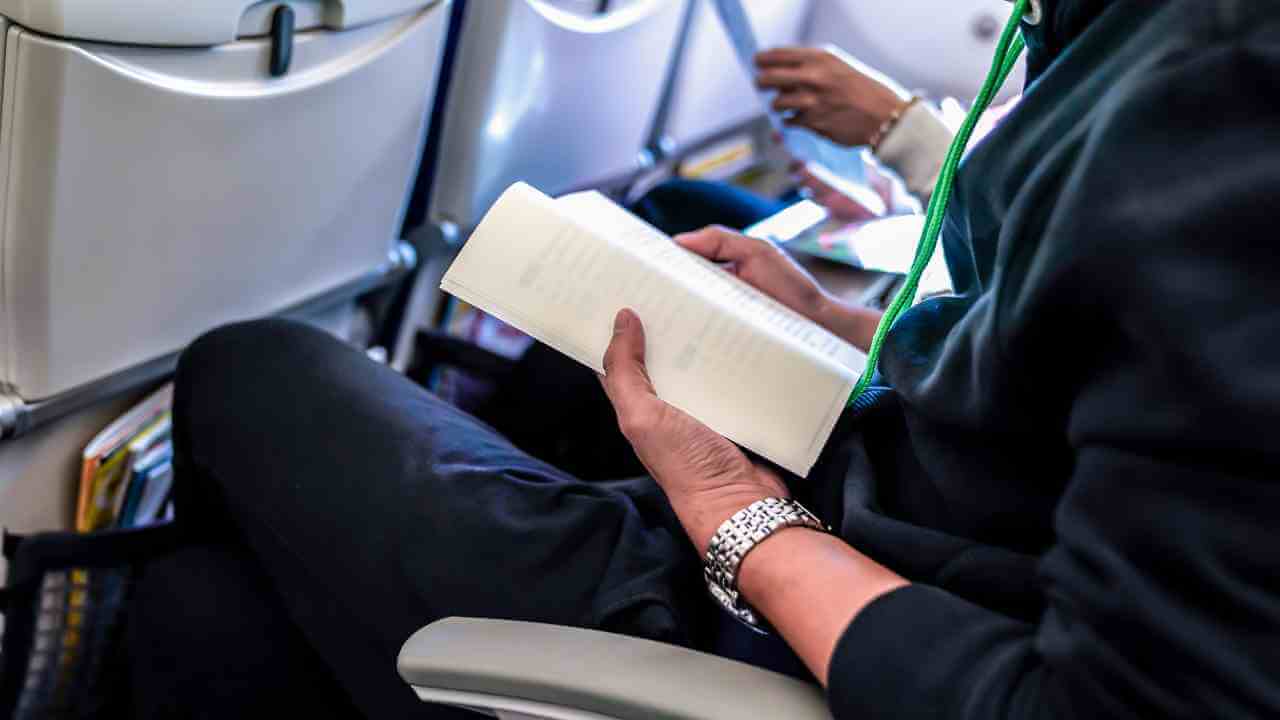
1061,503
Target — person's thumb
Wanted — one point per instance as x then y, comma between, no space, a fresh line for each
626,381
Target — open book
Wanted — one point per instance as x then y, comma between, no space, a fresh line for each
749,368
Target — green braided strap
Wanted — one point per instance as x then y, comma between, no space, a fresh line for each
1008,50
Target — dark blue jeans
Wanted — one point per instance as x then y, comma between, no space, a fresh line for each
679,206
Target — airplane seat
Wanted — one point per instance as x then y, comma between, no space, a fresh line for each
413,305
415,218
712,93
533,671
158,177
165,170
939,48
552,93
561,94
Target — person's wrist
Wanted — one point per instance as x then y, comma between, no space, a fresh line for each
766,569
702,513
887,102
855,324
835,316
879,107
827,311
887,125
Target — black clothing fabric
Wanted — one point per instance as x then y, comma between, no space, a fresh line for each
680,206
207,638
1082,477
368,508
1062,22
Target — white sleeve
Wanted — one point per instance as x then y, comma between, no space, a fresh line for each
915,148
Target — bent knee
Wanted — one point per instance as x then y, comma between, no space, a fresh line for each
252,346
230,368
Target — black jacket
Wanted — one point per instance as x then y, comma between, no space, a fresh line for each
1079,467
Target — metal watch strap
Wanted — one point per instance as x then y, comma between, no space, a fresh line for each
739,535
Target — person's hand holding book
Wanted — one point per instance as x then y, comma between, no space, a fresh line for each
706,477
769,269
808,584
761,264
751,370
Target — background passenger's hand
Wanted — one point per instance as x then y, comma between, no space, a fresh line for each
763,265
829,92
846,202
706,477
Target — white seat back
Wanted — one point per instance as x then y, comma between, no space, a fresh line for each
193,22
712,91
148,194
557,98
943,47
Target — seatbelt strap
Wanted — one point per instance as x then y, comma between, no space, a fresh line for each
1008,50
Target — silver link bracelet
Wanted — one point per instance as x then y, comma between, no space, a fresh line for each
739,535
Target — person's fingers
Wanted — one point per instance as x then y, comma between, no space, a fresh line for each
807,179
786,78
820,124
881,184
846,208
816,190
827,198
798,119
626,381
797,100
786,56
718,244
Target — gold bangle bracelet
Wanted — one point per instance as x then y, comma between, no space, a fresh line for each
891,122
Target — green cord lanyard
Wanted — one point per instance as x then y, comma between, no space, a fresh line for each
1008,51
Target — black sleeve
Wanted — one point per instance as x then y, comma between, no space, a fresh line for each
1163,588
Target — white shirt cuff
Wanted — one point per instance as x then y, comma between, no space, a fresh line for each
916,147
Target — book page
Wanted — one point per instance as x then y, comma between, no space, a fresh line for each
739,362
702,276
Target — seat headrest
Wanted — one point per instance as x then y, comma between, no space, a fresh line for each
190,22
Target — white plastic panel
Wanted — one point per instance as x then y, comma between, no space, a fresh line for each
943,47
505,708
185,22
154,193
713,91
549,96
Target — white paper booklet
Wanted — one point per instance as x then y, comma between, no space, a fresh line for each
749,368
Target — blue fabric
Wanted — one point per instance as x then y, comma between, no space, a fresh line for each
680,206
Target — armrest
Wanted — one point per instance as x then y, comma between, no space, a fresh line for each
561,672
